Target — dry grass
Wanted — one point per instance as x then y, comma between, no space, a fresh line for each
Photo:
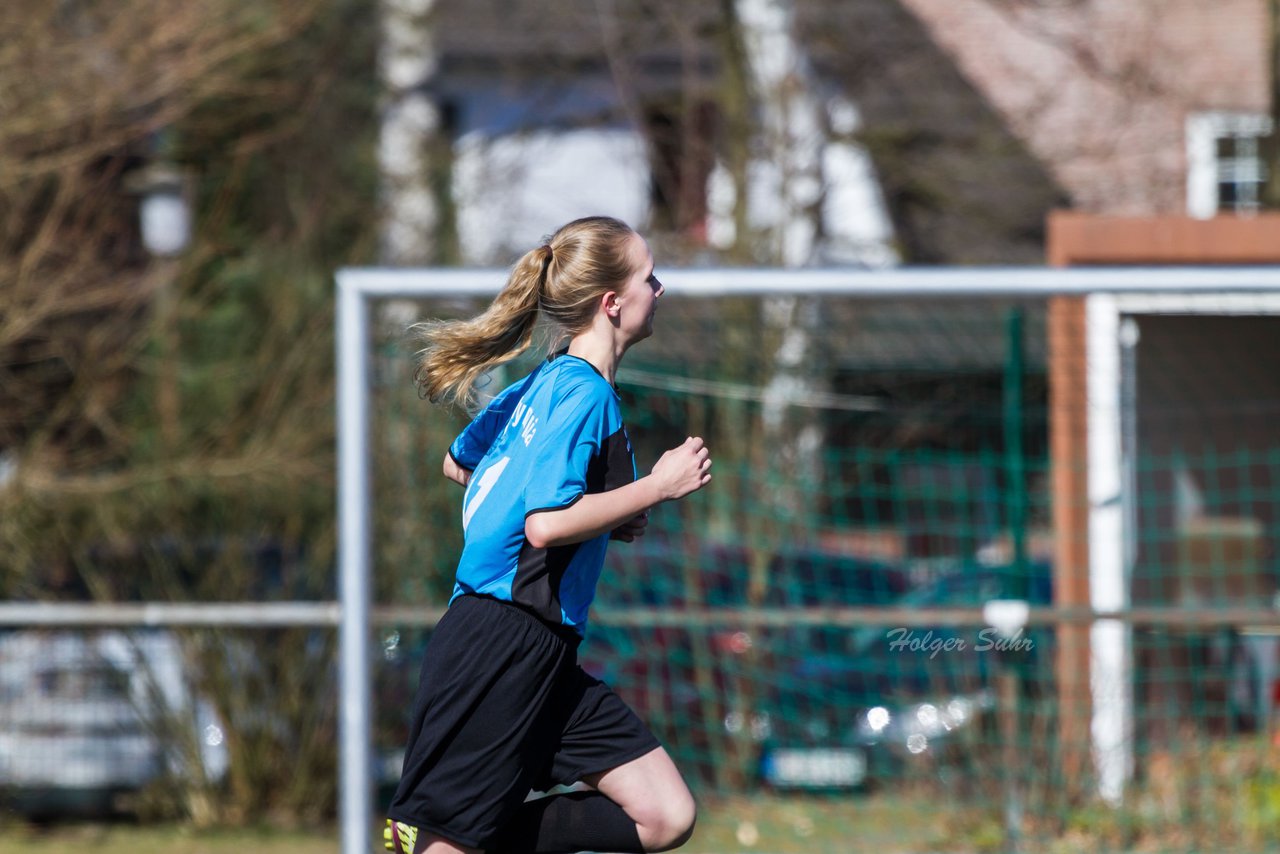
163,839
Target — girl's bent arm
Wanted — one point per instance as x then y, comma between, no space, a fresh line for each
679,472
590,516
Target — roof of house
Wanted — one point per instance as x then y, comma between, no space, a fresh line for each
959,185
1100,90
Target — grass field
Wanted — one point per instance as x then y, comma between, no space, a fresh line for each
859,824
811,824
162,839
774,825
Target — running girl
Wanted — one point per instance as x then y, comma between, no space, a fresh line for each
502,706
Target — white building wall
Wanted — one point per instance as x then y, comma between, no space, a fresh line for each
511,191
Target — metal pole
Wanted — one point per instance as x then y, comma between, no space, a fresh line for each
1110,641
262,615
355,686
1009,680
1129,440
1219,284
1015,460
251,615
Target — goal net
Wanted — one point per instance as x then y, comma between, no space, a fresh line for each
893,451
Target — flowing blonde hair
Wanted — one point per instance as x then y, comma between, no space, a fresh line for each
563,279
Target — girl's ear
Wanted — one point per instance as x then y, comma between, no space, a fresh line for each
609,303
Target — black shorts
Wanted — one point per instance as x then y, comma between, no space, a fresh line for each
502,709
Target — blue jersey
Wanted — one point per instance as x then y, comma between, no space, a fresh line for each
540,445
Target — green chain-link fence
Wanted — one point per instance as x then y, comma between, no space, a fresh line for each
811,625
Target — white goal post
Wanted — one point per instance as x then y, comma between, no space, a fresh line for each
1112,291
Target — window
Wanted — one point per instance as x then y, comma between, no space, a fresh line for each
1225,170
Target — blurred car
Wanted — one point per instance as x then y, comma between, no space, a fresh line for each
86,718
847,706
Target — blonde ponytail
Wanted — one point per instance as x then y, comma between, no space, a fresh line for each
563,279
456,352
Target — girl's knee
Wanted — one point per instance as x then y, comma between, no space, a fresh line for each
683,822
672,823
